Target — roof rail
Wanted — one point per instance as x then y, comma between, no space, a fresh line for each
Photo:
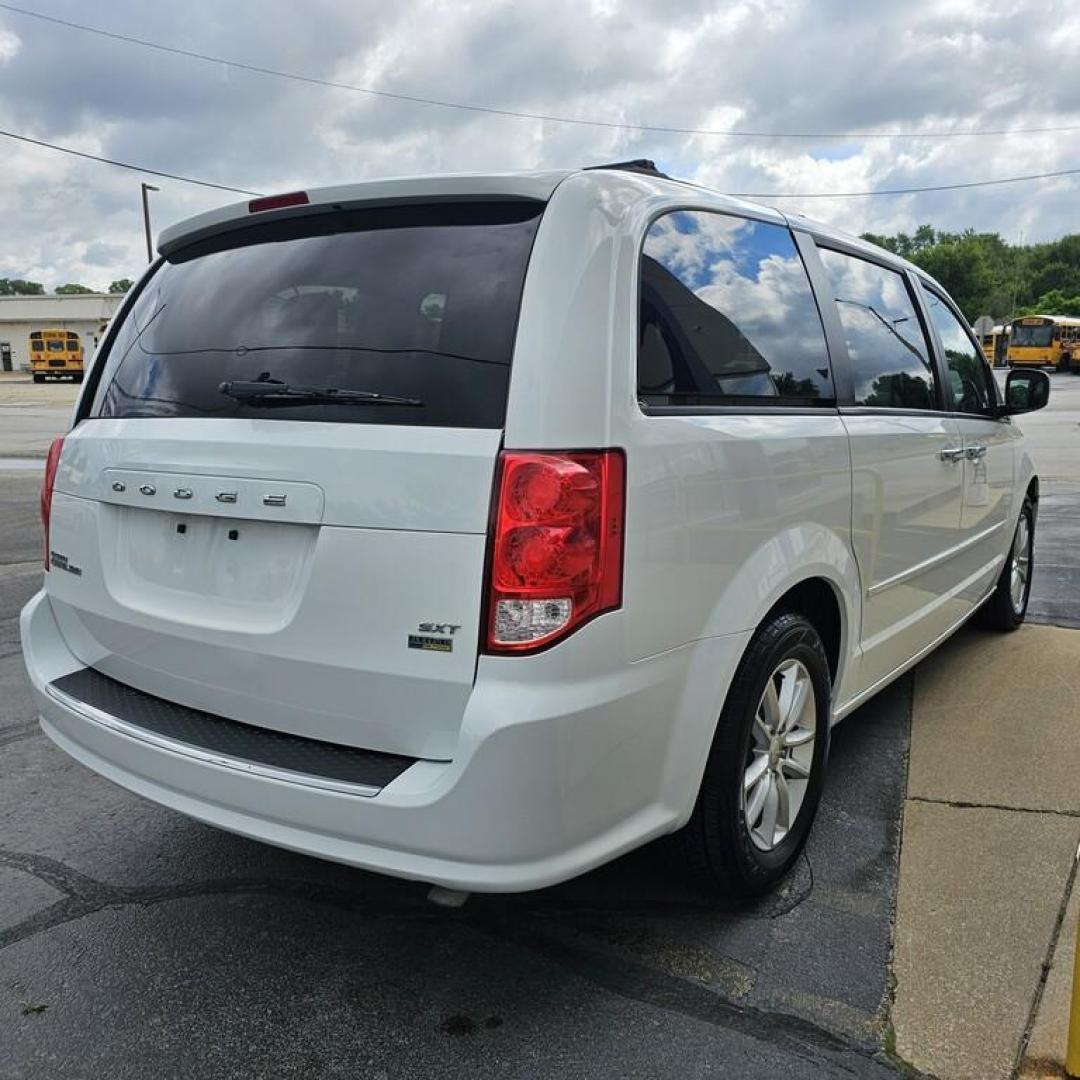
637,165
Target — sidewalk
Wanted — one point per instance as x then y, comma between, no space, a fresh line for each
990,833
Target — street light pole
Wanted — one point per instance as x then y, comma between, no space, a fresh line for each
146,221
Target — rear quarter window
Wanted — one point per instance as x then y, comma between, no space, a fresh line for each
727,316
419,302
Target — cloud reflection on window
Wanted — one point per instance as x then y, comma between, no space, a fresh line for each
727,312
889,358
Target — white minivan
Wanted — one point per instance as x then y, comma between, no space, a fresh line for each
478,529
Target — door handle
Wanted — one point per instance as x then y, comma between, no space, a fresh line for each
951,453
975,452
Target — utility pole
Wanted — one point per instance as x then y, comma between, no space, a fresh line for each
1016,275
146,220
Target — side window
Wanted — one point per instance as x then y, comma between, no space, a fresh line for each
971,385
728,316
890,360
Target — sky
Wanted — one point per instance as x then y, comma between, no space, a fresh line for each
851,74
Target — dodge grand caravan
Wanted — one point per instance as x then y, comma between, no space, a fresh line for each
479,529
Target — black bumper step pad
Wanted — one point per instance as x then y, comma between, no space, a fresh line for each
230,738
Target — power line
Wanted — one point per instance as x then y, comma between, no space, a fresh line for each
739,195
517,114
126,164
904,191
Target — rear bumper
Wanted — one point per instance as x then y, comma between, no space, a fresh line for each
556,771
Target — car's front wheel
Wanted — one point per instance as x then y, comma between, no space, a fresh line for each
766,768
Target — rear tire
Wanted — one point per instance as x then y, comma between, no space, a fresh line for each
766,767
1007,605
38,377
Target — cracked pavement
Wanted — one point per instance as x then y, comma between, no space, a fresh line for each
137,943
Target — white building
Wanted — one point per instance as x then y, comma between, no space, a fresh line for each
85,313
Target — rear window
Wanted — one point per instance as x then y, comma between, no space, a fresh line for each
417,302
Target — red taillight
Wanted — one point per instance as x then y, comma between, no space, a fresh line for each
556,545
47,489
278,202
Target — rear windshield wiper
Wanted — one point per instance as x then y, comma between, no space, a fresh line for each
275,392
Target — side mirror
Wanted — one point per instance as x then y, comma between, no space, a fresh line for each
1025,391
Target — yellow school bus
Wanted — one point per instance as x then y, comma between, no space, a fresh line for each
995,346
1045,341
56,354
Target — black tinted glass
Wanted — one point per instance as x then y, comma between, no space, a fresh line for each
415,302
727,315
971,385
890,361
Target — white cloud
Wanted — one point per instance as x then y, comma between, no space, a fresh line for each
9,45
759,65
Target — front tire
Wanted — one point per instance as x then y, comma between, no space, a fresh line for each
766,767
1007,605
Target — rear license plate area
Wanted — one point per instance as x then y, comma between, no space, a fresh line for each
224,571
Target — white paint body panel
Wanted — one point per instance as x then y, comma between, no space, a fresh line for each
531,769
299,624
906,521
990,496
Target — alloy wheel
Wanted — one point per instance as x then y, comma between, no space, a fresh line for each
1020,564
781,754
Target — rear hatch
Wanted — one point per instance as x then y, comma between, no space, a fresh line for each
237,527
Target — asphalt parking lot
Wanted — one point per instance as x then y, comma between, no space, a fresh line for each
137,943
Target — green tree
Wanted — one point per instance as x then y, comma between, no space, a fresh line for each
1057,276
961,266
19,287
989,276
1054,302
882,241
71,289
121,285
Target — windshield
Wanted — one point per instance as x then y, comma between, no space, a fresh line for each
1039,336
418,302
